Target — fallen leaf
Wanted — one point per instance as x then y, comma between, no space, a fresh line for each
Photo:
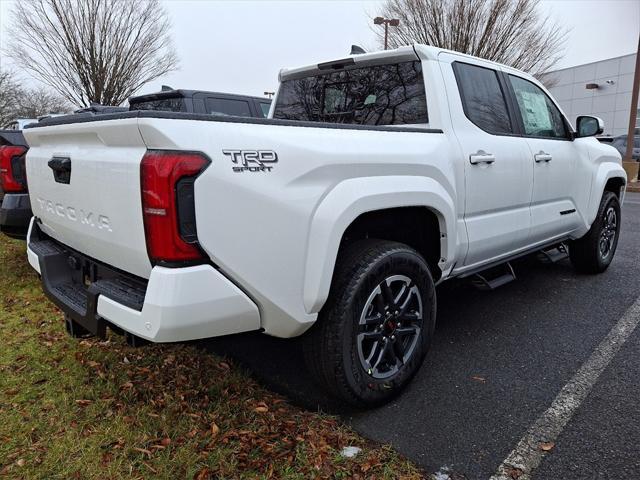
215,429
165,442
547,446
261,409
20,462
142,450
479,379
83,402
203,474
515,473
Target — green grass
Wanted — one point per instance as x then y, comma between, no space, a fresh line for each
93,409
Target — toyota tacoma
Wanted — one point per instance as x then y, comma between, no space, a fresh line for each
375,177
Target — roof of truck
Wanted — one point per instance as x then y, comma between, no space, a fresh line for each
406,53
188,94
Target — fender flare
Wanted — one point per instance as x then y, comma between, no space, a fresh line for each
606,171
350,199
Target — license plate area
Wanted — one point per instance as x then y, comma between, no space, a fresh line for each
74,282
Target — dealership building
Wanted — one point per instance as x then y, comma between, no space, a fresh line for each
601,88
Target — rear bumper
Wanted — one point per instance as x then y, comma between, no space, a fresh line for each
175,304
15,214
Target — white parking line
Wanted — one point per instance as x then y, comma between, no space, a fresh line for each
528,454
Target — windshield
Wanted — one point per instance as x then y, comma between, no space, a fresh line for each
378,95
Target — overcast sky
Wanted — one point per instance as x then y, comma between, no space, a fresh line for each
239,46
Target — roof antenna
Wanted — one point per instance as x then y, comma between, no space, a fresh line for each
357,50
165,88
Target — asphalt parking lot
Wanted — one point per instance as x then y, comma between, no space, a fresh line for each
498,362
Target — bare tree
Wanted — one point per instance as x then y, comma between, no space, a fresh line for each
40,101
9,96
92,50
512,32
17,101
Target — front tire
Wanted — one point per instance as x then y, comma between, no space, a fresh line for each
376,327
594,252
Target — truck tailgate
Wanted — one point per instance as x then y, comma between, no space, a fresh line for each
84,184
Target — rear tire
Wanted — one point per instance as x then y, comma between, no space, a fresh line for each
594,252
376,327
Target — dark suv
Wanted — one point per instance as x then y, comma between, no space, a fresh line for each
200,101
15,212
620,143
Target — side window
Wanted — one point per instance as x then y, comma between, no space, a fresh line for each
264,108
227,106
540,116
482,98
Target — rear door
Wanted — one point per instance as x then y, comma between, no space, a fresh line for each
84,187
554,158
498,173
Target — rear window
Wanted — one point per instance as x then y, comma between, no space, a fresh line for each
174,104
227,106
378,95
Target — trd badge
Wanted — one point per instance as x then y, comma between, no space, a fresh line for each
252,160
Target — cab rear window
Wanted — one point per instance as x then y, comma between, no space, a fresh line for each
391,94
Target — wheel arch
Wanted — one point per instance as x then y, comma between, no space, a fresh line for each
609,177
353,206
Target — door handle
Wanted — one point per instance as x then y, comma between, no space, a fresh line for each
481,157
542,157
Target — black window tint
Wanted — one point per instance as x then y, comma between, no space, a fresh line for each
378,95
482,98
264,107
227,106
175,104
540,117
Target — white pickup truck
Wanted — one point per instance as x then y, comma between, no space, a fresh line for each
374,178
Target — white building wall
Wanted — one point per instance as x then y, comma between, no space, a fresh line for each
611,101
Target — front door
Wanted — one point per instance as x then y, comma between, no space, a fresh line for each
554,158
498,171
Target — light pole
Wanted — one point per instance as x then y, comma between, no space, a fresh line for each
394,22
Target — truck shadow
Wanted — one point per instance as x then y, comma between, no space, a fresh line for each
279,365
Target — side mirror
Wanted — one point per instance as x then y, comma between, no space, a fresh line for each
588,126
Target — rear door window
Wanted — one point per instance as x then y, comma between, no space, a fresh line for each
482,98
228,106
391,94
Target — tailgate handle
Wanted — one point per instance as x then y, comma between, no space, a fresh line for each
61,167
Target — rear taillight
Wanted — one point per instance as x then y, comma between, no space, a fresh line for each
167,180
12,172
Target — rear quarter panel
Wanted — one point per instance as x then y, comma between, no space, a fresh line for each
258,227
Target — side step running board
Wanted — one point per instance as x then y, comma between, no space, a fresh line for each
494,277
554,254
